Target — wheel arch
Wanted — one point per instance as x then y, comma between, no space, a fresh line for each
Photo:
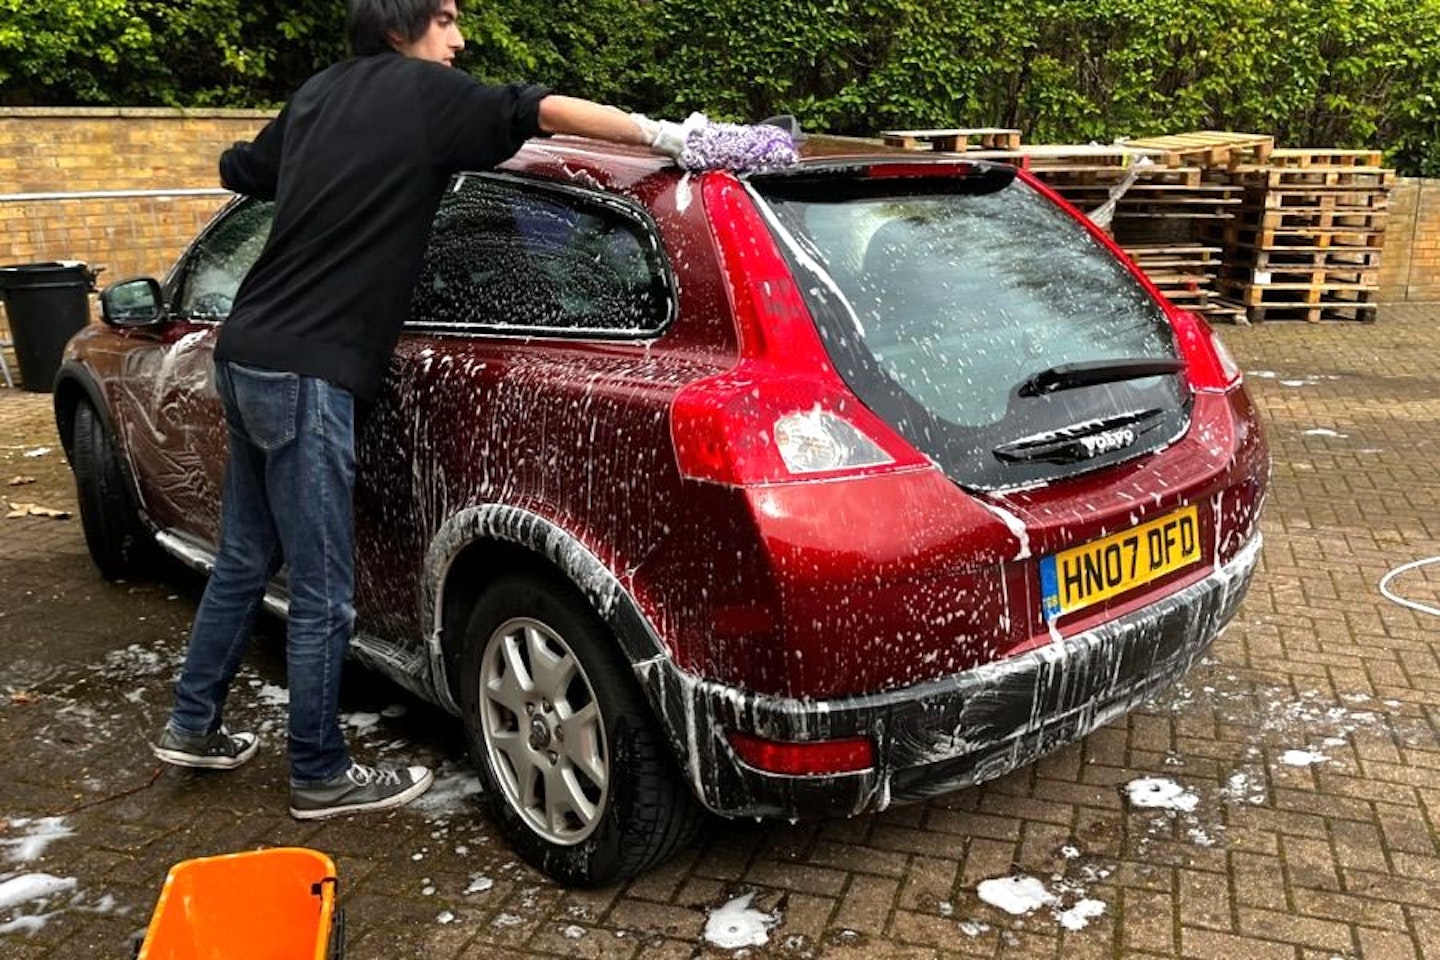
481,543
74,383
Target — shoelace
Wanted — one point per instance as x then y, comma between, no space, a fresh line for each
223,741
363,776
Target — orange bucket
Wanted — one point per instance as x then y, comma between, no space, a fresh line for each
262,905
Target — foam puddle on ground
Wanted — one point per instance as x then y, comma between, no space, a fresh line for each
1022,895
737,924
1290,731
1017,896
1159,793
1079,916
27,889
1302,758
455,785
28,901
38,834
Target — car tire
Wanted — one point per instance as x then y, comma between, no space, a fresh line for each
553,717
114,532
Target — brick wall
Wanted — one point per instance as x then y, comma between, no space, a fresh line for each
78,150
1410,265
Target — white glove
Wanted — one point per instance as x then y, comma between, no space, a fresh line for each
666,137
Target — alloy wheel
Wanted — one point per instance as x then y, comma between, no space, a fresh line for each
544,734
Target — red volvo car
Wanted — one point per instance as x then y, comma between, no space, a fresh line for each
789,494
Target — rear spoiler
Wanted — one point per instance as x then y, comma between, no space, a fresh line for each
855,175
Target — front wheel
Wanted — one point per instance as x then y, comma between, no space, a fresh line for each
575,772
114,532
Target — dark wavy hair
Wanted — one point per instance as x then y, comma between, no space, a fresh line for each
370,23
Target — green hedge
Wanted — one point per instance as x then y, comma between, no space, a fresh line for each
1321,73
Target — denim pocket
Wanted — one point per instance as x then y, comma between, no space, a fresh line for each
267,401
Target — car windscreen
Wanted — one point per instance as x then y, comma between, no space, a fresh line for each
981,321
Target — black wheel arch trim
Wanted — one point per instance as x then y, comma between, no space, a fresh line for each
75,376
547,541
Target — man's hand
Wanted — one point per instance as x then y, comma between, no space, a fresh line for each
666,137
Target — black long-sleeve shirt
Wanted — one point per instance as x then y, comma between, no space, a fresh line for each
357,162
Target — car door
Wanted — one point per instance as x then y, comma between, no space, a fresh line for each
176,428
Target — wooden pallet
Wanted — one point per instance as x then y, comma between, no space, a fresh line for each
1161,205
1302,220
1307,243
1066,157
1242,235
1322,258
1185,273
1176,208
1104,176
1359,201
1138,202
1222,310
1209,148
1180,287
1292,277
1176,255
1318,177
1313,313
1150,190
1332,292
1306,157
954,140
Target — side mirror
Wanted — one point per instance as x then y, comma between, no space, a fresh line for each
132,303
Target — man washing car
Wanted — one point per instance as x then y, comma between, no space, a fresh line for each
356,162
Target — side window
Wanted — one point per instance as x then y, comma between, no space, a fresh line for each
513,255
221,259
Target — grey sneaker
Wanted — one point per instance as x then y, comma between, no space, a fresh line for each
359,789
220,750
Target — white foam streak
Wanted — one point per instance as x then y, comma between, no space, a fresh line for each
32,886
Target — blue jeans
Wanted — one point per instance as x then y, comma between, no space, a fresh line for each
288,496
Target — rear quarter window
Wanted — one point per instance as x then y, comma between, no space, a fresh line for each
506,254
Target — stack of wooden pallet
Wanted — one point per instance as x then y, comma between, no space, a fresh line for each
1306,243
1186,273
1155,198
1158,216
1178,206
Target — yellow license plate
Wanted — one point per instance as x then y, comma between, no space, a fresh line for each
1076,578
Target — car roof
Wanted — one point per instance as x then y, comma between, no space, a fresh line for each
619,167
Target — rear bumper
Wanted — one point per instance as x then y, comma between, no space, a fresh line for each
943,735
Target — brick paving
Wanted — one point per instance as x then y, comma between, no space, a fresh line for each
1334,858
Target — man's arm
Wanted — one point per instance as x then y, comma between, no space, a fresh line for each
586,118
254,168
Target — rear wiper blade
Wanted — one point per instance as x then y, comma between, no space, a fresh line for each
1083,440
1067,376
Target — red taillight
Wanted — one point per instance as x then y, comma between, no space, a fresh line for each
773,318
804,758
781,413
731,429
1208,365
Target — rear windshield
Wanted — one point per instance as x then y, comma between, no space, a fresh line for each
939,297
